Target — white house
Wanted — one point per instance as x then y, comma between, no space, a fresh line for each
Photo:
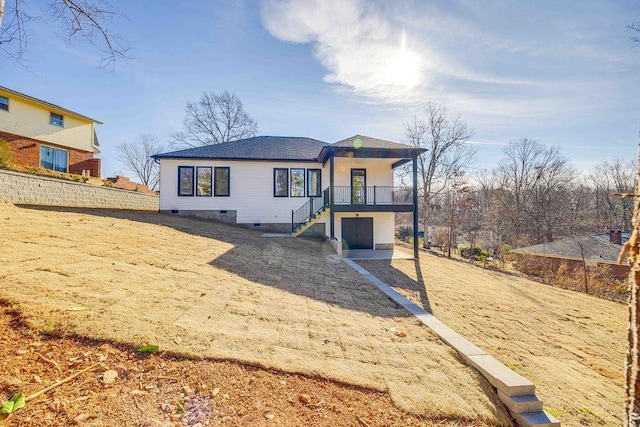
344,191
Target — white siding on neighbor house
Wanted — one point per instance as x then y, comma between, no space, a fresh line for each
31,120
251,190
383,225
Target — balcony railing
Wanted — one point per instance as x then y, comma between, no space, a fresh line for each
372,195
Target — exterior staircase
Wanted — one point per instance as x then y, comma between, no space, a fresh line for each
309,213
303,227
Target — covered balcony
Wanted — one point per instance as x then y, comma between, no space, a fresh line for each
372,199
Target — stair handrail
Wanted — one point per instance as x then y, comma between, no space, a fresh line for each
310,209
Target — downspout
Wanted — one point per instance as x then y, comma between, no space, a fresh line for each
416,252
155,159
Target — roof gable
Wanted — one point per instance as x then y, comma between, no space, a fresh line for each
361,141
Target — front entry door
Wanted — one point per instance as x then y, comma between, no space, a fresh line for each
358,186
357,233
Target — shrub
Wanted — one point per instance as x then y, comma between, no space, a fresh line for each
6,156
469,252
404,233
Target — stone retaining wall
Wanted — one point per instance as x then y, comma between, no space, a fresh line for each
20,188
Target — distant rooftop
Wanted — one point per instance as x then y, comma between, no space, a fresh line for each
596,247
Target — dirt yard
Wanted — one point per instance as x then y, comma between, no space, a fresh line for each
212,292
571,345
172,391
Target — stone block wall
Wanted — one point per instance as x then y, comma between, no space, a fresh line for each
20,188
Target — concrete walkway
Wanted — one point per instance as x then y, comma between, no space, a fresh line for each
571,345
370,255
515,391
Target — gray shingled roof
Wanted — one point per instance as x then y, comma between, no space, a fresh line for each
256,148
596,247
280,148
361,141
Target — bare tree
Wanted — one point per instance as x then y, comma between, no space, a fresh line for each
609,178
214,119
136,158
634,27
534,181
87,20
447,154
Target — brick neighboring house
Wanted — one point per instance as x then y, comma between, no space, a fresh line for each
41,134
125,183
599,250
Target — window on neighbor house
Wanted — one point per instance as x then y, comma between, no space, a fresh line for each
314,182
297,183
203,181
222,182
185,180
53,159
280,182
56,119
4,103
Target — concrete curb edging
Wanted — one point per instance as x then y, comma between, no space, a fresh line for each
515,391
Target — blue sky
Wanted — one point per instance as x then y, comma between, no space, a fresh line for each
564,73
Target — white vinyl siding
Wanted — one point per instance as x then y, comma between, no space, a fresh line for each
383,225
251,190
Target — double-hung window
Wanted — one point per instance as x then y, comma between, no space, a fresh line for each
222,182
4,103
185,180
56,119
280,182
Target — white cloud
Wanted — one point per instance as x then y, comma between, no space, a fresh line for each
530,71
354,41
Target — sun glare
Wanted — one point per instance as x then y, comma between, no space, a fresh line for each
404,67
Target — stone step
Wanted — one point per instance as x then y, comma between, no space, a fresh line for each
501,377
521,404
537,419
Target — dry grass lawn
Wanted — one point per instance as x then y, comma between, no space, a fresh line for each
571,345
207,290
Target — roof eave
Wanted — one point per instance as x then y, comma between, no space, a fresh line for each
237,159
